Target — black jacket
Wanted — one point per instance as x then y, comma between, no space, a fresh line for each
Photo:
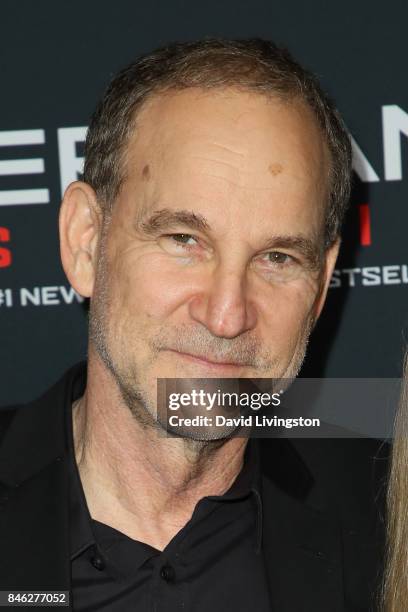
322,507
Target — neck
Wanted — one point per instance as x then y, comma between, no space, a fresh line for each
137,480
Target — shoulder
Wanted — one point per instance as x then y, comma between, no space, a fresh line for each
357,461
352,474
348,473
349,454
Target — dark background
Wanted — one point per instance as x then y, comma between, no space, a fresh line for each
55,60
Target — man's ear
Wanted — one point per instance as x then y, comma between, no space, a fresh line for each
330,258
79,228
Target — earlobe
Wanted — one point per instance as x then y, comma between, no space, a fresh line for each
79,229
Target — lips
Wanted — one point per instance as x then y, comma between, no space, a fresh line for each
206,360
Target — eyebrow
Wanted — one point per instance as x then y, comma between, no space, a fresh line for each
167,218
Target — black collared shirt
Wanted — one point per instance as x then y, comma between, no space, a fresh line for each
214,563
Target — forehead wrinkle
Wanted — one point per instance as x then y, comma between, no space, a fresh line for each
231,183
213,160
228,149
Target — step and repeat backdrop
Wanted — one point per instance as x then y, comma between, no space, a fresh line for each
56,58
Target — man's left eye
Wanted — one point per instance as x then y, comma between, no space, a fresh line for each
182,239
279,258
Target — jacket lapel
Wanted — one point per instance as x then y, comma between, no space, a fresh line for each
301,543
34,527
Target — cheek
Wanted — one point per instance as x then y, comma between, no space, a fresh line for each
287,311
150,286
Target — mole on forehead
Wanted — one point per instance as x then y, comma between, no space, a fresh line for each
275,168
146,172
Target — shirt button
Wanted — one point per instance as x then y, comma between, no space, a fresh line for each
98,562
167,573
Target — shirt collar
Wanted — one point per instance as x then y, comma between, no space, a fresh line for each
248,481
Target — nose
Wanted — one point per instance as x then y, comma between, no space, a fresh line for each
224,306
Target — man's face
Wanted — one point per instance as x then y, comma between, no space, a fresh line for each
214,248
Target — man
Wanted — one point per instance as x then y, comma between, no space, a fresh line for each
204,233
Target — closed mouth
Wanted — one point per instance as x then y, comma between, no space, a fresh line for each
201,359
